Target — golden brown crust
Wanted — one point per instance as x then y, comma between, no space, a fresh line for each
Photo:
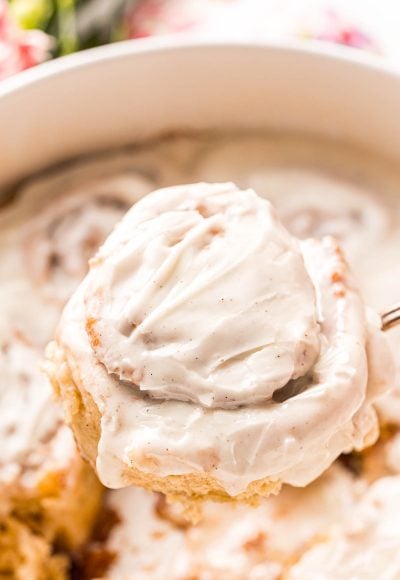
63,507
374,459
60,501
25,555
84,417
80,410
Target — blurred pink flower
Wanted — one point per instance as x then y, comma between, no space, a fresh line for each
273,19
19,49
149,17
337,30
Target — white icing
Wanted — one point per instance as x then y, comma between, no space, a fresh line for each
35,438
365,547
201,295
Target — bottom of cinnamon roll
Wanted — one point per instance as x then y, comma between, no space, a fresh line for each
189,489
62,507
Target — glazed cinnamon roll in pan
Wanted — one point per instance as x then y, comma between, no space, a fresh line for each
140,535
47,234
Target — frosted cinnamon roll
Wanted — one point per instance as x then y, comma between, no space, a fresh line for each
357,220
42,476
209,354
365,546
24,555
315,195
60,240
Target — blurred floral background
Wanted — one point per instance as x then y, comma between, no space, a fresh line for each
32,31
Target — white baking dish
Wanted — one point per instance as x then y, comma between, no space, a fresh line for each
123,92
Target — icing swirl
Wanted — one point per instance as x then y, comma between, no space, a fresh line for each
61,239
208,302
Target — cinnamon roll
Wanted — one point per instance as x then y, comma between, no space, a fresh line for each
60,240
25,555
365,546
208,354
47,235
42,477
317,188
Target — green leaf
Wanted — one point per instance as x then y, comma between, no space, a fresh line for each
66,22
32,13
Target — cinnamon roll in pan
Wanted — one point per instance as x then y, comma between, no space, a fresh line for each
365,546
141,536
43,479
59,242
55,223
23,554
47,235
317,187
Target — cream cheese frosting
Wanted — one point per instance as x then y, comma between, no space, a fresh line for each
48,233
208,301
35,439
287,431
317,187
365,547
59,241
